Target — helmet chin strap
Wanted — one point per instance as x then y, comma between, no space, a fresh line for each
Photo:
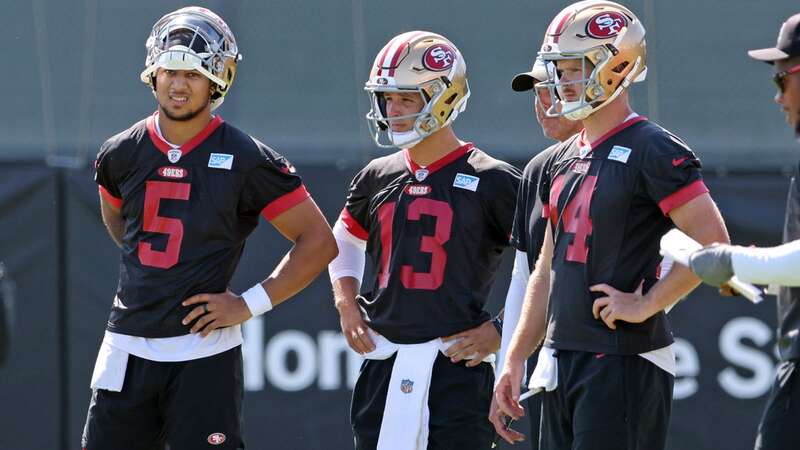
404,139
580,112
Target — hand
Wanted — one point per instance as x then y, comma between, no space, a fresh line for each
506,394
355,330
727,291
499,420
625,306
712,264
215,311
476,343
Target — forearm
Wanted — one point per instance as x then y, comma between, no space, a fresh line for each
677,284
345,290
775,265
513,304
300,266
532,323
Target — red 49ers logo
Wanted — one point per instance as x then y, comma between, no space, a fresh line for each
216,438
605,25
439,57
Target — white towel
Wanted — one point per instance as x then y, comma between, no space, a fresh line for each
109,369
405,415
545,374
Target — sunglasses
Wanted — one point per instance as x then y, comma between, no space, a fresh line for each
780,77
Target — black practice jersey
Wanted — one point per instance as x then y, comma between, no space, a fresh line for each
608,202
789,297
434,236
187,213
529,224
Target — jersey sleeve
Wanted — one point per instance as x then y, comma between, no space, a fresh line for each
271,187
106,174
528,202
526,196
355,214
671,172
503,198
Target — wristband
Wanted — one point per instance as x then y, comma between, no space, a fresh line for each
257,300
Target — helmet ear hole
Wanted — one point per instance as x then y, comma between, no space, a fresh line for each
620,67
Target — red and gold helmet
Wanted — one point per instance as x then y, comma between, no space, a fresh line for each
609,41
422,62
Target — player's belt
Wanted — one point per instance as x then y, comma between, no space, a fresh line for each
405,415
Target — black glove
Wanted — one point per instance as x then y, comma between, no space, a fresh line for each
712,264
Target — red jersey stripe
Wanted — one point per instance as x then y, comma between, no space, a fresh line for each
441,162
285,202
113,201
352,225
198,139
682,196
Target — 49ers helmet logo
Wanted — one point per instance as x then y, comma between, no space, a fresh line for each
605,25
439,57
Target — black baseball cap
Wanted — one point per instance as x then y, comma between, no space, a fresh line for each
525,81
788,44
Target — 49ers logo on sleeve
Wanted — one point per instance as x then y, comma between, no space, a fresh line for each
216,439
439,57
417,190
605,25
172,172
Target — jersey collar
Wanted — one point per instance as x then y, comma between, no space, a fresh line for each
164,146
439,163
593,145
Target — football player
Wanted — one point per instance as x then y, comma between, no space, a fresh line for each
528,231
610,193
434,218
180,191
778,265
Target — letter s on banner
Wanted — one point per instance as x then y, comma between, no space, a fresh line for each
687,366
734,350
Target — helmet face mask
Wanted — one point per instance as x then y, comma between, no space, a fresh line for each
193,38
585,89
416,62
608,40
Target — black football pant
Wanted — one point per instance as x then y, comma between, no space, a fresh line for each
606,402
778,429
458,401
189,405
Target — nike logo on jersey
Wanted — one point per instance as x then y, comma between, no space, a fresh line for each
220,161
467,182
619,153
678,161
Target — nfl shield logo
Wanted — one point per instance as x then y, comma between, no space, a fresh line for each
421,174
406,386
174,155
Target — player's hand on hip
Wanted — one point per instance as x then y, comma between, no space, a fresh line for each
214,311
355,330
499,420
507,391
712,264
618,305
476,344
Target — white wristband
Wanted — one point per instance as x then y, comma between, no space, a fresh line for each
258,302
